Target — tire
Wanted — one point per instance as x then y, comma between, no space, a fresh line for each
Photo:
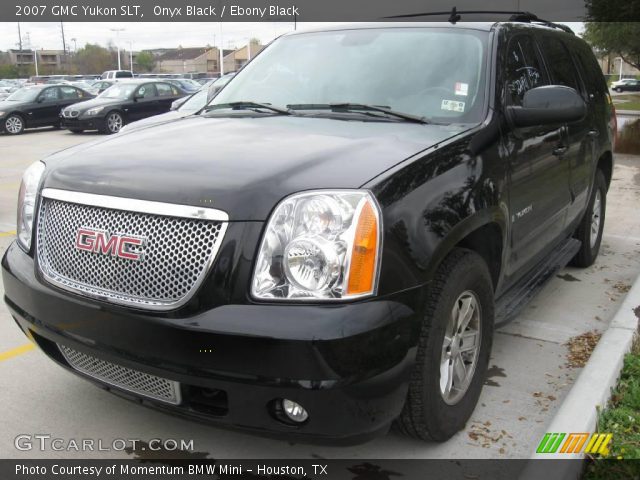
76,130
618,89
589,232
430,413
113,122
14,124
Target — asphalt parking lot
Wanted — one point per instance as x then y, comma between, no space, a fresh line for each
528,378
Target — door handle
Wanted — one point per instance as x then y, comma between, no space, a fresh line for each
561,150
593,133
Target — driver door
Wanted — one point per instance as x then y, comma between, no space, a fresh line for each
144,103
46,110
539,194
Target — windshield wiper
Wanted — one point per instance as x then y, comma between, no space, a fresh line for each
355,107
248,106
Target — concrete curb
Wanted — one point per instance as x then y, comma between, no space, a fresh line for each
578,412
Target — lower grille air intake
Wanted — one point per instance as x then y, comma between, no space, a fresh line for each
122,377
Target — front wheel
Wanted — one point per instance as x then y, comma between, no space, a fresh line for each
618,89
14,124
113,123
453,349
589,231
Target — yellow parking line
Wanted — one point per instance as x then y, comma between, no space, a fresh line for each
16,351
7,234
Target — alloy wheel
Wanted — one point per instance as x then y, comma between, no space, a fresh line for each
460,348
596,218
114,122
14,125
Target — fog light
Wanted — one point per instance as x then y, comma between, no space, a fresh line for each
294,411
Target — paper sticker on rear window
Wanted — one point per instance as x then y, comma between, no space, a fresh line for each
462,89
452,106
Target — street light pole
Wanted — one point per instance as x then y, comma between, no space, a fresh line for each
131,56
118,30
35,59
221,53
620,75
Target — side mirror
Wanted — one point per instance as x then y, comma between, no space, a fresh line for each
40,99
137,96
550,104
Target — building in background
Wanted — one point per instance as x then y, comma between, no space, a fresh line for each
236,59
610,64
190,60
49,61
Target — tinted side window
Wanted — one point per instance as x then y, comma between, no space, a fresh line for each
593,76
560,64
69,93
50,94
523,69
123,75
164,90
147,91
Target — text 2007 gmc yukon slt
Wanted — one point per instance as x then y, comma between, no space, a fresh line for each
325,249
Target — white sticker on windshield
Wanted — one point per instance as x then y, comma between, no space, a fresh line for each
462,88
452,106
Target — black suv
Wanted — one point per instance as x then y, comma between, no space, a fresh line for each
326,248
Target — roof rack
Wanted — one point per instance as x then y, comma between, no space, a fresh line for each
455,16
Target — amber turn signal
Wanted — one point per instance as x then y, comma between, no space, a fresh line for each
362,270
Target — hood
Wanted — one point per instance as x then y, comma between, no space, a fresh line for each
155,120
94,102
241,165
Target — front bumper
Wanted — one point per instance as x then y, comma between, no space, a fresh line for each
348,365
77,123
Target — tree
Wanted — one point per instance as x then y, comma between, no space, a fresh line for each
146,61
8,71
95,59
612,27
619,38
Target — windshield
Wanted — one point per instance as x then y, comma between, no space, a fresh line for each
118,91
195,102
24,95
436,73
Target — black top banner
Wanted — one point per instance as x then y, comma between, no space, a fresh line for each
285,10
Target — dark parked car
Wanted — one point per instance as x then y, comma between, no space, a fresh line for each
37,106
124,102
626,85
327,249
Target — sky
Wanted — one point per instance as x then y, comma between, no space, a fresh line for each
141,36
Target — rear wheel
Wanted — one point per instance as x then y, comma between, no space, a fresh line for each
453,349
14,124
589,231
112,123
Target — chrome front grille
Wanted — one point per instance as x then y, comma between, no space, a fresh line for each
175,256
128,379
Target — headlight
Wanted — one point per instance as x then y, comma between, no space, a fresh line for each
2,114
27,203
320,245
94,111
